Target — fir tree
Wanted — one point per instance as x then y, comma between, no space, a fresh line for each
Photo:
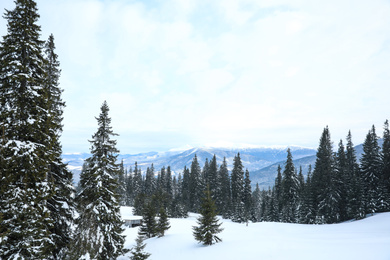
289,191
386,163
256,202
98,233
342,181
148,228
371,172
26,149
247,198
327,195
237,189
61,204
208,226
195,186
223,201
137,251
355,207
163,222
212,179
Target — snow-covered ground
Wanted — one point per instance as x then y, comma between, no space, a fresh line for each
365,239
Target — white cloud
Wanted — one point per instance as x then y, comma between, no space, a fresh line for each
236,71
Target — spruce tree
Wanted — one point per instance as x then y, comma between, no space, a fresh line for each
371,172
163,222
237,189
355,199
386,163
148,228
327,194
208,223
342,181
137,251
223,201
99,225
247,198
61,204
26,151
289,191
195,186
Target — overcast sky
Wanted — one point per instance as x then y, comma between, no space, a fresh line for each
180,73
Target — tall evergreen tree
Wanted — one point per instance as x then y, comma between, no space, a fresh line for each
386,163
223,201
289,191
247,198
342,181
27,150
208,223
237,189
371,168
61,204
327,195
195,186
98,233
148,228
278,192
355,187
212,179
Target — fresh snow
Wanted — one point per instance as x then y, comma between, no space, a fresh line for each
364,239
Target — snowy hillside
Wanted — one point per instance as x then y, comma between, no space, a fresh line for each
359,240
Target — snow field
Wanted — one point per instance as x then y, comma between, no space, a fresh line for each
364,239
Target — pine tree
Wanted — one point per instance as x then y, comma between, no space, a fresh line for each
371,172
355,188
137,251
327,195
247,198
289,191
342,181
98,233
256,202
223,201
195,186
185,189
278,193
148,228
212,179
208,225
26,153
386,164
61,205
237,189
163,222
307,211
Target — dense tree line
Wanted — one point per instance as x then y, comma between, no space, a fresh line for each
339,188
179,195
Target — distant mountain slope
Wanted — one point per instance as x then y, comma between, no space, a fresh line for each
266,176
252,158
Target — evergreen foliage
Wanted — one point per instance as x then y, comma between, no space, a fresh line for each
36,204
137,251
163,222
208,225
371,169
99,225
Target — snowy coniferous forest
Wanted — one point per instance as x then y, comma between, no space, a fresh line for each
42,216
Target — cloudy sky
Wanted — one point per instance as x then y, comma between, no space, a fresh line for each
180,73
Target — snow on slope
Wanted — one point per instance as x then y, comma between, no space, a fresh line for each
365,239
